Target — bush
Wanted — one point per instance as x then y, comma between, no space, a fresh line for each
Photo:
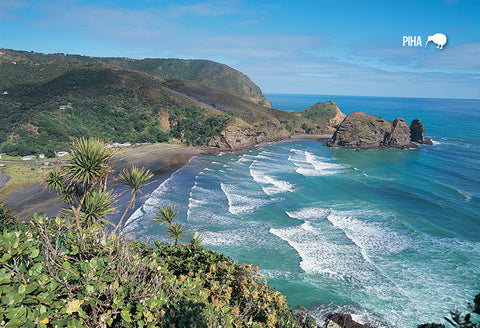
52,274
7,220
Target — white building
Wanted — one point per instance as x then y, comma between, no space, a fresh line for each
27,158
61,153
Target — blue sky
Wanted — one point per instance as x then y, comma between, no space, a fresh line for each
341,47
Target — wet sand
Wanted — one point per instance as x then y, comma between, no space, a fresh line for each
161,159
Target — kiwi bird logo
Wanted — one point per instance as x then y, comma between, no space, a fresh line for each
439,39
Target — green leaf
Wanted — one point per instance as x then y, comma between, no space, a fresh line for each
21,289
126,315
115,285
16,312
31,288
5,276
6,257
15,323
34,253
90,289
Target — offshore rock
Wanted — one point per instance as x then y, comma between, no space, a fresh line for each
364,131
339,320
400,135
417,133
304,317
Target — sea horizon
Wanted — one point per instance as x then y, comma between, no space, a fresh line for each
364,96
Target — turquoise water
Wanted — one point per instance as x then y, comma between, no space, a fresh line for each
395,234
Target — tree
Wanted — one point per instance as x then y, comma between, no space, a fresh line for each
176,231
76,181
135,179
166,215
196,239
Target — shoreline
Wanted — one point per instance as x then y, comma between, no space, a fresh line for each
161,159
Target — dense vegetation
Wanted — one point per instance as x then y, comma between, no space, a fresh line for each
214,75
320,112
46,101
49,105
52,274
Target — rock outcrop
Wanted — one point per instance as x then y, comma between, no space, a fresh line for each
400,135
339,320
364,131
417,132
241,135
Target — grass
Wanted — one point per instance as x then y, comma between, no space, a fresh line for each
21,176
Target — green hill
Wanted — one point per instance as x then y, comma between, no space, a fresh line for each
209,73
47,100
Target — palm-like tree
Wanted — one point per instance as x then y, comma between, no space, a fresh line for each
97,204
196,239
135,179
166,215
176,231
88,170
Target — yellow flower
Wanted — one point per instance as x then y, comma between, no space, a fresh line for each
74,305
271,320
182,278
213,267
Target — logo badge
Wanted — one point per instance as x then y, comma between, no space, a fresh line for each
439,39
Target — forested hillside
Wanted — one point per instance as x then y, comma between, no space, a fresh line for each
47,100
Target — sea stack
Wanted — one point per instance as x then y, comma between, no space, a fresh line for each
417,133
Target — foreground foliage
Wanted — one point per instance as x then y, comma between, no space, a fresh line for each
53,275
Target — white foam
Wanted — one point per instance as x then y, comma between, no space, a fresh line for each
464,194
223,238
370,237
309,213
238,202
310,165
276,185
320,255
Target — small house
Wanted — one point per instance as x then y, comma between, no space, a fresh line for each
42,156
27,158
61,153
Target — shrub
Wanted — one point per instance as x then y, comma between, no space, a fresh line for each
54,275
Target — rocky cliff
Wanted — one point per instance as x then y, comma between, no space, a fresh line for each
364,131
267,124
241,135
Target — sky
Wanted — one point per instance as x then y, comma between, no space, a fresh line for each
329,47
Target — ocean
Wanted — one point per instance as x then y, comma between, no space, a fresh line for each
390,236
